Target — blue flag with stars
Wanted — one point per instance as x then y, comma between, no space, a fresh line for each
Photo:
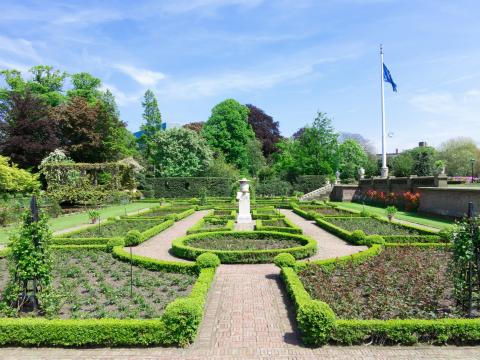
387,77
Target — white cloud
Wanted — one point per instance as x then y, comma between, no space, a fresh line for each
121,98
142,76
19,47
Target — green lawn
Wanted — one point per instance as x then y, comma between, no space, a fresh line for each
68,221
401,215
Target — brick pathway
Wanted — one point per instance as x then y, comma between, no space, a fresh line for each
248,315
158,247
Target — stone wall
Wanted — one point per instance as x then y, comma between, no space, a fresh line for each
401,184
448,202
343,192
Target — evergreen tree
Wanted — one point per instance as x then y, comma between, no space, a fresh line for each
152,125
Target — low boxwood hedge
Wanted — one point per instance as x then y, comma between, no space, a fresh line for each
317,326
263,225
307,247
224,225
266,213
178,325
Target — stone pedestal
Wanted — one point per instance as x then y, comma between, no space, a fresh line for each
243,197
244,216
384,172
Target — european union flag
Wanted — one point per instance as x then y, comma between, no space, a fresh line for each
387,77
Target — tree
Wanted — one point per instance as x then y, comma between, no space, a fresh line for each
78,126
351,156
423,160
218,167
14,180
364,143
180,152
27,133
457,154
195,126
152,125
402,164
228,132
266,130
85,86
256,160
46,83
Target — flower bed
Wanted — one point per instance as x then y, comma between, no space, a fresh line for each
224,213
92,284
318,324
266,213
401,282
209,224
244,246
327,211
277,224
177,325
372,226
113,228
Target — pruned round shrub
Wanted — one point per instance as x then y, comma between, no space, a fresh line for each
316,321
374,239
358,237
182,318
133,237
114,242
284,259
207,260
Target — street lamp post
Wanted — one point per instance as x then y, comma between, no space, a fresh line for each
472,161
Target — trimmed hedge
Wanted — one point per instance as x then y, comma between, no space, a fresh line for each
289,226
307,247
266,213
187,187
228,225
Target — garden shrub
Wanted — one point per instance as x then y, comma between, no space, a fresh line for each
358,237
133,237
182,318
307,183
284,259
274,187
316,320
207,260
374,239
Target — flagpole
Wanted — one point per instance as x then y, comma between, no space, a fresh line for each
384,170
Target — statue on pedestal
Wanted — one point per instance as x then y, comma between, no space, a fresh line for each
243,197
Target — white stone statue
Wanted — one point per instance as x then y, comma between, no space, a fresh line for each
361,173
243,197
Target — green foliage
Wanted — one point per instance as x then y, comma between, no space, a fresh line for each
29,262
93,215
256,159
86,86
273,187
14,180
417,161
374,239
466,263
391,211
358,237
316,320
402,165
314,152
228,132
284,260
351,156
152,126
306,246
277,224
307,183
179,152
133,238
457,153
187,187
218,167
207,260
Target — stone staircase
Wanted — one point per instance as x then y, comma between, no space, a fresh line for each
318,194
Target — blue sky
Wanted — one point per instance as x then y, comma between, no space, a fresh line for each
288,57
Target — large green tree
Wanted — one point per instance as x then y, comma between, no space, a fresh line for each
86,86
351,156
153,123
180,152
457,153
227,131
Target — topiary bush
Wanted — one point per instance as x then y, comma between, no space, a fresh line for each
133,238
358,237
284,259
208,260
316,321
182,318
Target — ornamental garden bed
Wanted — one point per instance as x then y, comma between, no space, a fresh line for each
244,246
372,226
383,295
401,282
90,283
327,211
225,213
266,213
277,224
209,224
115,228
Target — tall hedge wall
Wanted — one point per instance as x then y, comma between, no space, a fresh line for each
307,183
187,187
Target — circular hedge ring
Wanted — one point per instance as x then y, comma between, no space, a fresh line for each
297,245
